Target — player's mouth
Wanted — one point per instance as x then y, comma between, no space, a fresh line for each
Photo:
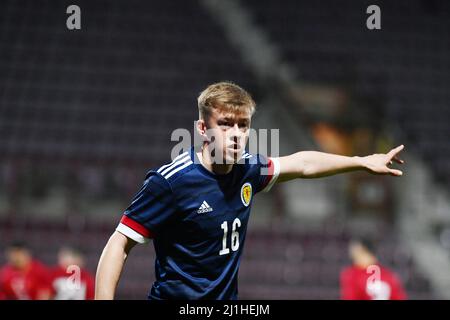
234,148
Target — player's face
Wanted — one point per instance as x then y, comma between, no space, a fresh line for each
230,131
355,251
66,259
18,258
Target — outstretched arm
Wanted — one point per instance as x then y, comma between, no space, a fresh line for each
314,164
111,264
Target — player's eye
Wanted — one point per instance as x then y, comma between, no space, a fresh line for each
243,125
224,124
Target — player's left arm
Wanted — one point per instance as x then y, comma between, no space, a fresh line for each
314,164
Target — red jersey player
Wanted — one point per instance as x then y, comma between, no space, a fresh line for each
70,280
366,279
24,278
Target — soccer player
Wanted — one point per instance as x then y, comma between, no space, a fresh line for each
23,277
367,279
196,208
71,281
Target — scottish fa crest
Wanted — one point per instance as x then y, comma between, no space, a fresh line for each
246,193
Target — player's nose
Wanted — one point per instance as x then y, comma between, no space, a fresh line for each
235,134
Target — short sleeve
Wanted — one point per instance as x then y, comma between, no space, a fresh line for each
150,209
265,171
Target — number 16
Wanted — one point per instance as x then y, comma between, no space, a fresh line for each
234,236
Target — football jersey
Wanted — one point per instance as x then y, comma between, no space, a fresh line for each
374,283
26,284
73,286
198,222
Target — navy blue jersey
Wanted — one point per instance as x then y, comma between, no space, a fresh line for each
198,222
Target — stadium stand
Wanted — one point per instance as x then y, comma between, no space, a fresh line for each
405,64
112,89
88,112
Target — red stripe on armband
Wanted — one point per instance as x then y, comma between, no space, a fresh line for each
136,227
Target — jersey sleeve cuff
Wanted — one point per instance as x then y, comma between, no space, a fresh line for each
134,230
276,172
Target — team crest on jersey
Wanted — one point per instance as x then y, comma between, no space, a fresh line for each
246,193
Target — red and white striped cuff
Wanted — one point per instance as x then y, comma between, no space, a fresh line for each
274,172
134,230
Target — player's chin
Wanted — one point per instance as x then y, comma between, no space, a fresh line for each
232,156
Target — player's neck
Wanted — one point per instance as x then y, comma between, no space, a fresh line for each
215,168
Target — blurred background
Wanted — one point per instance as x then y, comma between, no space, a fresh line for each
84,114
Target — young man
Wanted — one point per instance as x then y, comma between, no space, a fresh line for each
197,207
367,279
71,281
23,277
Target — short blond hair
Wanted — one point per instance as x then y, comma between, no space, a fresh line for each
225,96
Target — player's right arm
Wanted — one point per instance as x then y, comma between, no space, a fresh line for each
151,207
111,264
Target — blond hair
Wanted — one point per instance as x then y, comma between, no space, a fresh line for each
224,96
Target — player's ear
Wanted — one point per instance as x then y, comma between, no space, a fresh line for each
201,128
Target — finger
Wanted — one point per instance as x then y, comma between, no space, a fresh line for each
395,151
398,160
395,172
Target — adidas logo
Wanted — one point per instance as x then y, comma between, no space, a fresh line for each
204,208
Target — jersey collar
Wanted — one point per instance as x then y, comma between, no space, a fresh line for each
200,167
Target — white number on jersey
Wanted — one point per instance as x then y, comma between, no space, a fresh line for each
234,236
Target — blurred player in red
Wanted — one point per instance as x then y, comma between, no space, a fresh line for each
71,280
23,277
367,279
